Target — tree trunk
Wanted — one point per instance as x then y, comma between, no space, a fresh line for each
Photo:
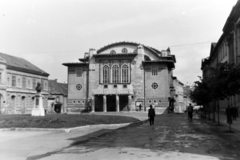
218,111
209,112
213,110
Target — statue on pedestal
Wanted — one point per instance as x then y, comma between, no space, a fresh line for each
38,109
38,88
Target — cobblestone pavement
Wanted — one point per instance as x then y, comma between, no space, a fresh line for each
171,137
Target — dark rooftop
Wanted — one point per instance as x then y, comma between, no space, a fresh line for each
20,64
57,88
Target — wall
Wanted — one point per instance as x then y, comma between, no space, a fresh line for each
159,96
77,87
17,99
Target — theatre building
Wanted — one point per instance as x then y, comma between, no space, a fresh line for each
120,77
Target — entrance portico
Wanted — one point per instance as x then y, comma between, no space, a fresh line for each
111,103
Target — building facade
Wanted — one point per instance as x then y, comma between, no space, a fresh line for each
179,98
57,94
18,79
226,50
120,77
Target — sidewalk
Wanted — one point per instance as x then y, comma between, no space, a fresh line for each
223,120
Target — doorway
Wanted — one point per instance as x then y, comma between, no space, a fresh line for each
123,102
98,103
111,103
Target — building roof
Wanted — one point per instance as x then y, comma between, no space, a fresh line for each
20,64
74,64
151,49
115,55
232,18
57,88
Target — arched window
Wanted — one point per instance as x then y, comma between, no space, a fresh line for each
113,52
124,50
106,74
115,74
125,74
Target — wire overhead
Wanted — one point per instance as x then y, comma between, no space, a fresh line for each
189,44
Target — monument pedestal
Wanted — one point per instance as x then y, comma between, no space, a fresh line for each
38,109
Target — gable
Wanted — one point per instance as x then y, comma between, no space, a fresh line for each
129,47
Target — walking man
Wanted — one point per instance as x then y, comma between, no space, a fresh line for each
190,112
151,115
140,107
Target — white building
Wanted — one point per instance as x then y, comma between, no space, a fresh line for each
18,79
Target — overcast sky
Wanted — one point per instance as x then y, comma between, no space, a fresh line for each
51,32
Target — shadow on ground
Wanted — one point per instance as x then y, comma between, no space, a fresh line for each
170,133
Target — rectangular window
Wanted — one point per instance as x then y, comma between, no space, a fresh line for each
19,83
34,84
154,70
0,77
46,85
29,83
124,86
114,86
8,80
42,84
24,82
105,86
78,73
14,81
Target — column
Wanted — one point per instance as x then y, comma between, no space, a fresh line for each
117,103
93,104
104,103
129,102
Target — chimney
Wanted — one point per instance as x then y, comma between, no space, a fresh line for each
140,50
86,55
168,51
92,51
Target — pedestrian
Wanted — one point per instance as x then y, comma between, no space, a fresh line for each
140,107
229,114
151,115
190,112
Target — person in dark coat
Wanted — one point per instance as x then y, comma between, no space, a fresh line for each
229,114
190,112
151,115
140,107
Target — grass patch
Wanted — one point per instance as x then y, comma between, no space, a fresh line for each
60,120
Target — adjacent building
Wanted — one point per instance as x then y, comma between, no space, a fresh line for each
57,94
226,50
179,105
18,79
120,77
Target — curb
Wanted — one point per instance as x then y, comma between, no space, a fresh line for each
121,125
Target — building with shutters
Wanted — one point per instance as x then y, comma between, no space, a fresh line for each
120,77
18,79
